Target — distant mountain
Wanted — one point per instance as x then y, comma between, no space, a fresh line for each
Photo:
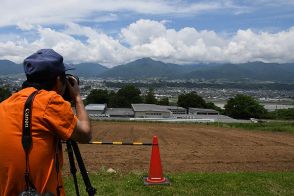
89,69
246,71
147,68
9,67
82,69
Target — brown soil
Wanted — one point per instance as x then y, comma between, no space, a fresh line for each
188,147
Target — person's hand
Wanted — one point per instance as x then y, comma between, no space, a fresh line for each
73,88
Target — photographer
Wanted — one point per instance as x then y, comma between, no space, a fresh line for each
52,120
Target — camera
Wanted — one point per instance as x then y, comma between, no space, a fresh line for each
33,192
29,193
66,95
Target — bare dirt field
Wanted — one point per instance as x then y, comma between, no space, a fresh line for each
187,148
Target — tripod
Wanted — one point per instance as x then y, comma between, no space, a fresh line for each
72,148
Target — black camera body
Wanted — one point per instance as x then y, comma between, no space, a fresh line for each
66,95
34,193
29,193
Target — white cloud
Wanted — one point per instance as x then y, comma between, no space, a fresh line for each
15,12
146,29
147,38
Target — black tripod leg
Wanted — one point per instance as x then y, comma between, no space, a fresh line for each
73,169
91,190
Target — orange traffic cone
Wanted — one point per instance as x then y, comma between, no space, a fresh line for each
155,170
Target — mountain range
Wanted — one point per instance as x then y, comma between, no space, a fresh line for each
149,68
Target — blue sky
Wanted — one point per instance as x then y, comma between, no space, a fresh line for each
113,32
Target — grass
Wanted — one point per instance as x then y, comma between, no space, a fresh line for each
269,183
235,183
264,126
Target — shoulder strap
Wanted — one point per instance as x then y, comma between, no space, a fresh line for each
26,127
27,137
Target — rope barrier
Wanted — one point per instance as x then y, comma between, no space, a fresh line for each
121,143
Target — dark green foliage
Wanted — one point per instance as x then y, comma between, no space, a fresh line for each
150,98
244,107
123,98
4,93
284,114
98,96
127,95
163,101
211,105
191,100
113,100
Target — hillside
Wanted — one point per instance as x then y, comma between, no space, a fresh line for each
90,69
9,67
147,68
250,71
82,69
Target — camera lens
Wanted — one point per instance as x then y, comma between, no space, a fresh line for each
66,95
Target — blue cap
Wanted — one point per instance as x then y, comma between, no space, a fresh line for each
45,63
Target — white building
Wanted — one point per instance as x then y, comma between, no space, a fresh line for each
150,111
176,109
96,110
120,112
202,111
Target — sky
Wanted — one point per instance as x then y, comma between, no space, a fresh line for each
113,32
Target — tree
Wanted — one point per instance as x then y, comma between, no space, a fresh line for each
150,98
4,93
191,100
98,96
211,105
113,101
163,101
127,95
244,107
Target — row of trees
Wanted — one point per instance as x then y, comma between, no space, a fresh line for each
124,97
193,100
240,106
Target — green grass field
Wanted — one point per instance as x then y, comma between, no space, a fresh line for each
283,126
233,183
279,183
264,126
